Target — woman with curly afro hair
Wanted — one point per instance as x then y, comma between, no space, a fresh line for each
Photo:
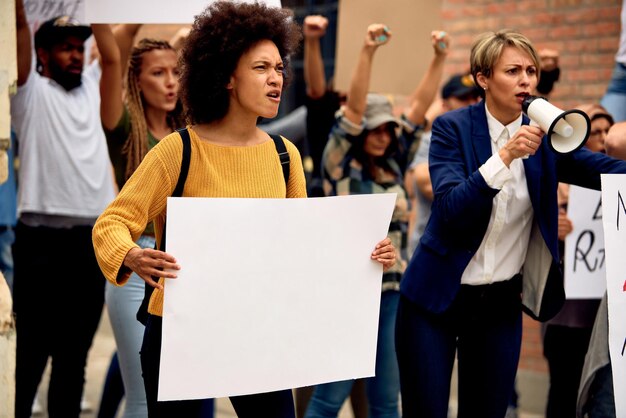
233,69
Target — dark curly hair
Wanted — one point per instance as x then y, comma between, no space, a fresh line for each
220,35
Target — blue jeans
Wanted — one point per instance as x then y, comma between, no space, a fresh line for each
614,99
122,304
383,390
7,237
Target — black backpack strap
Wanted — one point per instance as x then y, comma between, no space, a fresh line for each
184,165
142,312
182,177
283,155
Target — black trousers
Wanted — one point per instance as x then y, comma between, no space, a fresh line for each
483,326
271,405
58,300
565,349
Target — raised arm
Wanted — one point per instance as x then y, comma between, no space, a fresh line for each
426,90
125,37
178,40
377,35
111,104
314,28
550,71
24,52
422,180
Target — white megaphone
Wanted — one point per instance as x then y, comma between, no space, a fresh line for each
566,130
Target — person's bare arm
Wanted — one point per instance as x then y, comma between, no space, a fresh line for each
422,180
314,28
377,35
24,52
426,90
178,40
125,38
111,104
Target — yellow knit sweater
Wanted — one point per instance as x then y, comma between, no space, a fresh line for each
214,171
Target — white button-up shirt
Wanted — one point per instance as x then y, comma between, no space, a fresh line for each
503,250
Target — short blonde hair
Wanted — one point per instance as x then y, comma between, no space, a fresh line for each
487,49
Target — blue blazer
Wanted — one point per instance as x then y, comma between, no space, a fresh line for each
462,208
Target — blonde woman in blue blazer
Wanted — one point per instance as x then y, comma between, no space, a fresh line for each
490,247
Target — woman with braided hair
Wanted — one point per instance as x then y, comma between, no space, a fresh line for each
134,122
150,62
150,109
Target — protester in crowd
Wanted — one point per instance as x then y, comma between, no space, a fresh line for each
134,122
65,182
601,123
566,336
493,221
322,100
366,154
225,88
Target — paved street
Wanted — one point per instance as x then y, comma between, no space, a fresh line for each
529,386
99,358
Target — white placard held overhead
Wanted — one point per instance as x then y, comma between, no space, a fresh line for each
614,219
272,293
150,11
585,272
38,11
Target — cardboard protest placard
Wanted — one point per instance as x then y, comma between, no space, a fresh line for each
614,220
585,271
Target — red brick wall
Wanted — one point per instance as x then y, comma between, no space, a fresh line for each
585,32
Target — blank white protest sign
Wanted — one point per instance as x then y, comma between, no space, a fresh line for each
272,293
150,11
